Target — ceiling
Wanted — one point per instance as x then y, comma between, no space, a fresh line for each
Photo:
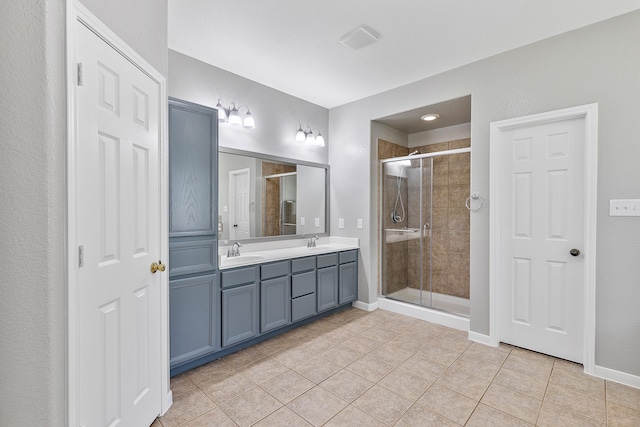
293,45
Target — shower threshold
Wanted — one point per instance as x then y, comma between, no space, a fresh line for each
451,304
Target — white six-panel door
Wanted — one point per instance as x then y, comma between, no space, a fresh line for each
239,215
542,220
118,232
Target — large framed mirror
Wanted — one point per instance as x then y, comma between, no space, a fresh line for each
262,197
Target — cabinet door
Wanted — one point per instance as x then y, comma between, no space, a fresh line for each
348,282
239,314
195,317
275,303
327,292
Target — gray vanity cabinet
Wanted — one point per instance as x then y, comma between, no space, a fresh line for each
275,296
348,277
194,289
327,276
240,305
303,288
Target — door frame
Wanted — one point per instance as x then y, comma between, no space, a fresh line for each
589,113
77,12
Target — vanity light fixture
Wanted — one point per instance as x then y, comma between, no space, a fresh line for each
232,116
309,137
430,117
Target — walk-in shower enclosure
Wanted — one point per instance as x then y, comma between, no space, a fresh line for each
424,226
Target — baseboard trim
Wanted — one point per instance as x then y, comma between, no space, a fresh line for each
617,376
424,313
482,339
167,402
365,306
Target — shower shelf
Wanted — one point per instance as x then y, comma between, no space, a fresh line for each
393,235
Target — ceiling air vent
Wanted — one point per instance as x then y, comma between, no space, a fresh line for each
360,37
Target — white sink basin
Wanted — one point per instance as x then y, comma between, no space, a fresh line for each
324,248
242,259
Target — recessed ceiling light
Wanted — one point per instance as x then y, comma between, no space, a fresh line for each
429,117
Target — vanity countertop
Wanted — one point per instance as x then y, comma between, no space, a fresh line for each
257,253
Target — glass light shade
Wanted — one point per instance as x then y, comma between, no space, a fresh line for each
222,114
249,122
311,139
300,135
319,140
234,117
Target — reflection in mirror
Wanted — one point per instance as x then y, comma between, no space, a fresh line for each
269,197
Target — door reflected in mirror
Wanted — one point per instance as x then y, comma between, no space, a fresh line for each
269,197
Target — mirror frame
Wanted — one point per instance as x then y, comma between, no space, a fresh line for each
262,156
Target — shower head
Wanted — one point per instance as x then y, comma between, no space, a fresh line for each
413,153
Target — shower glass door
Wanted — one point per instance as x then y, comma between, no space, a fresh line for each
406,229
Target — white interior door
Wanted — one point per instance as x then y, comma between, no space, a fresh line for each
239,192
542,220
118,231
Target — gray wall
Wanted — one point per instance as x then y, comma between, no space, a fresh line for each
32,185
599,63
278,115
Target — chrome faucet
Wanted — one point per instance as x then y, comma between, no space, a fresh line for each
312,242
234,251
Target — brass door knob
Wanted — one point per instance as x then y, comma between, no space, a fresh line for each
157,266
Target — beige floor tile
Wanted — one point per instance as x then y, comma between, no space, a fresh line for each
409,341
186,407
342,355
287,386
353,417
274,345
230,387
486,416
464,383
553,416
362,344
317,406
383,404
181,383
580,382
576,402
317,369
390,354
542,359
423,368
347,385
418,416
447,403
339,335
521,383
405,383
212,371
513,403
623,395
317,345
379,335
283,417
250,407
478,367
156,423
264,370
453,340
535,370
244,358
441,355
485,352
370,368
565,365
292,356
618,415
213,418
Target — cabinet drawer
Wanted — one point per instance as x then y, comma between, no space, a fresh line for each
327,260
276,269
238,276
303,307
348,256
303,284
303,264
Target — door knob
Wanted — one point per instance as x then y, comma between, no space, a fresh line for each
574,252
157,266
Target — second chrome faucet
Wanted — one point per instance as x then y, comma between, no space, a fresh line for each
312,242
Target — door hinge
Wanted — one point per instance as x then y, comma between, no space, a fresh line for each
81,256
80,76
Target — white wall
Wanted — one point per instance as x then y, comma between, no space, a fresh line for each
311,183
278,115
599,64
450,133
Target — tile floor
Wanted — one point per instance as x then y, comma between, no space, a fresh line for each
356,368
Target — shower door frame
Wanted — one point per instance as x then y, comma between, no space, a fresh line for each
381,234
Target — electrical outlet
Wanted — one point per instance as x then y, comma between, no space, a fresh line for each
359,222
340,222
316,222
225,209
302,221
624,207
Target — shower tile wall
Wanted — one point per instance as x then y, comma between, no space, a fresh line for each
449,224
271,197
395,268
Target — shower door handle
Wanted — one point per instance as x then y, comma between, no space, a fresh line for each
426,230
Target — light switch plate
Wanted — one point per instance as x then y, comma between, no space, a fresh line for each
302,221
316,222
340,222
624,207
359,222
